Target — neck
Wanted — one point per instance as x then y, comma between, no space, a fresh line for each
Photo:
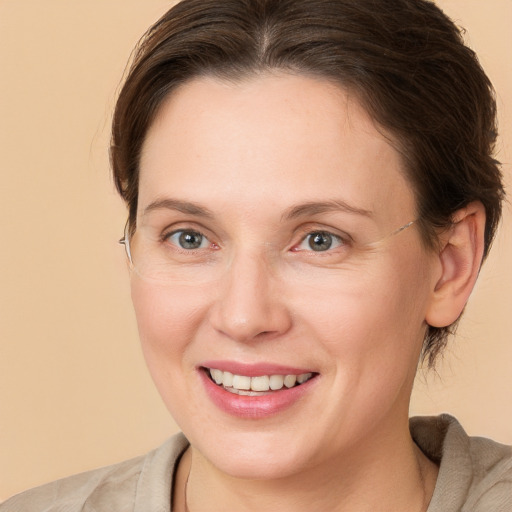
385,475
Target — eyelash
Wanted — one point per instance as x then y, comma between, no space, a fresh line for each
323,233
167,237
340,240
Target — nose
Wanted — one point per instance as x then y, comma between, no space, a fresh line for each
249,303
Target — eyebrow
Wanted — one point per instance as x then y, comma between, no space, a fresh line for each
313,208
300,210
178,205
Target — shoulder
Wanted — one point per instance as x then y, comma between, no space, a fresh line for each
74,492
475,473
491,488
117,487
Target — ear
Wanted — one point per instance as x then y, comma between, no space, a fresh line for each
458,262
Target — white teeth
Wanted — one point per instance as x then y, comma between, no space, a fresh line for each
260,383
243,392
290,380
227,379
244,385
276,381
216,375
241,382
304,377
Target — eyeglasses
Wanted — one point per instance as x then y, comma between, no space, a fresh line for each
164,257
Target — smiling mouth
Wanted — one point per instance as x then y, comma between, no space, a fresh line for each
256,386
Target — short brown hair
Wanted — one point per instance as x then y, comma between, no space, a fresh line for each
404,59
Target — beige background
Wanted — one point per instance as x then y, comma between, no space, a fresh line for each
74,392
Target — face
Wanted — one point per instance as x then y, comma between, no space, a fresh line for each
272,207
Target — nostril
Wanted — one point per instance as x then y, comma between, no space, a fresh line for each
265,335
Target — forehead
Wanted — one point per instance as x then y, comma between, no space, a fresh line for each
283,137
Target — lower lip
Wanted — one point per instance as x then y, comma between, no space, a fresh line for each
254,407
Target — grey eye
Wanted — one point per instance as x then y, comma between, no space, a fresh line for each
320,241
189,240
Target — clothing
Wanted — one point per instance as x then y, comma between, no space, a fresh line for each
475,475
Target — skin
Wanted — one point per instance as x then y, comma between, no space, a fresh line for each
248,152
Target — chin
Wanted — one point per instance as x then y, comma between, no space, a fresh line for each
254,456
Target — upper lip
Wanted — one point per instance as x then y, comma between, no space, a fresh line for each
255,369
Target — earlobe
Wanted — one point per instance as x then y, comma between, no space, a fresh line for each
459,262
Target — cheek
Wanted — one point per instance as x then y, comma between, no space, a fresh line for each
167,319
374,319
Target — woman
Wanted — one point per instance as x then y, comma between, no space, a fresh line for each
311,193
